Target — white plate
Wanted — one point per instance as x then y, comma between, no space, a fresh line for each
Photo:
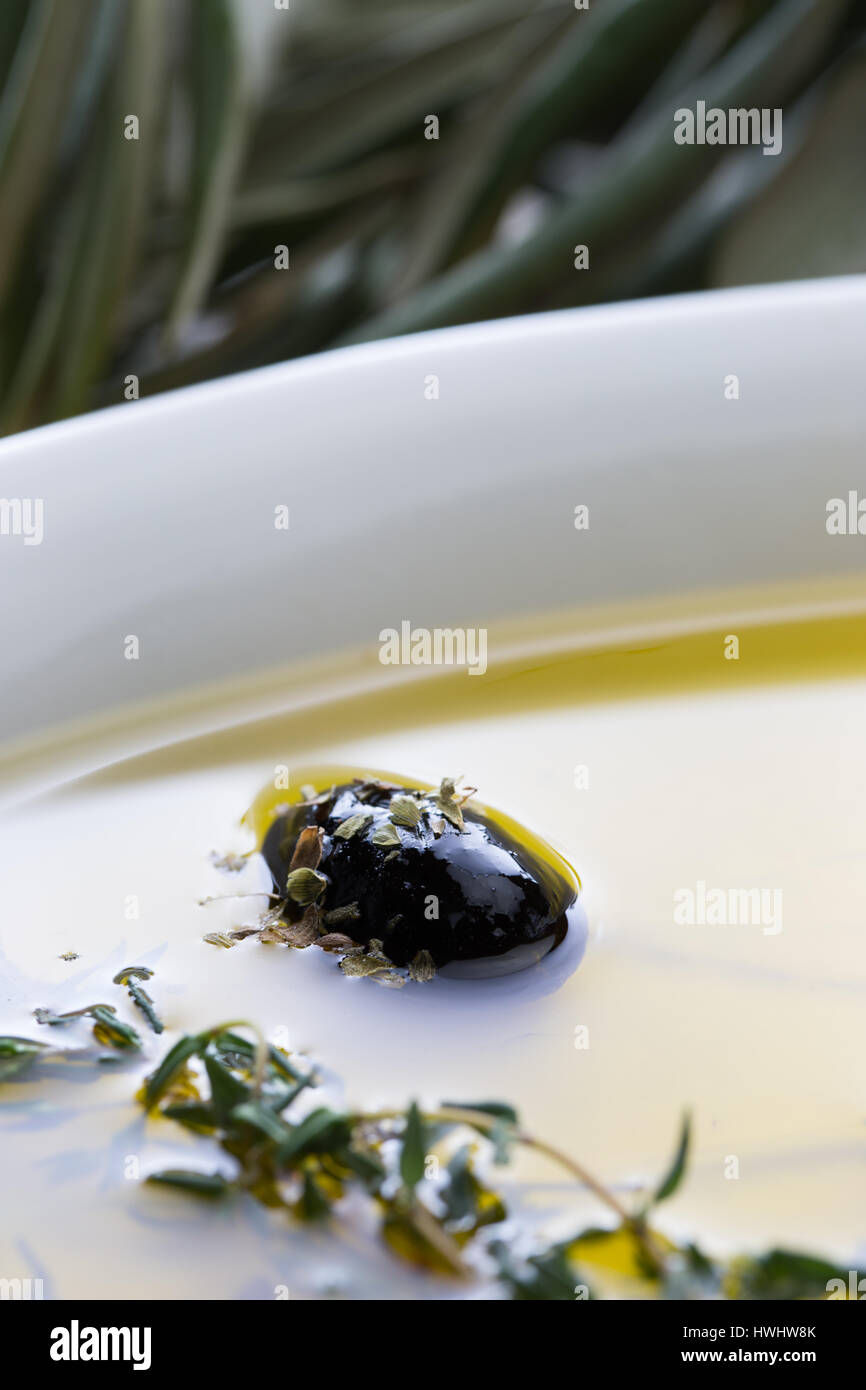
159,515
457,510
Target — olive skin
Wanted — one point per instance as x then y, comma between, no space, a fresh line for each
460,894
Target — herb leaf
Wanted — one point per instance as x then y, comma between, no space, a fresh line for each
372,962
547,1276
340,916
313,1204
140,997
322,1131
422,968
353,825
674,1176
171,1065
194,1114
405,811
108,1029
446,801
413,1154
787,1274
301,934
220,938
304,886
262,1119
308,849
387,836
497,1108
201,1184
227,1090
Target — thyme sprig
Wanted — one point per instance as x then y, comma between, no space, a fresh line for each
108,1029
18,1054
423,1170
129,976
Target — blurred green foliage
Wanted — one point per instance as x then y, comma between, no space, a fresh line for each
308,128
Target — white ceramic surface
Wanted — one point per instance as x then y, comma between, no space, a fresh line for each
159,515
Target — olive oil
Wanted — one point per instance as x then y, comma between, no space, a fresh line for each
633,746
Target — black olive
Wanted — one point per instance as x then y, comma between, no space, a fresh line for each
467,894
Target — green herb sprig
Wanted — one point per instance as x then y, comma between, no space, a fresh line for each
442,1216
108,1029
129,976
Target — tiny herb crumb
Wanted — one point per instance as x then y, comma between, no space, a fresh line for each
339,916
335,941
231,863
422,968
